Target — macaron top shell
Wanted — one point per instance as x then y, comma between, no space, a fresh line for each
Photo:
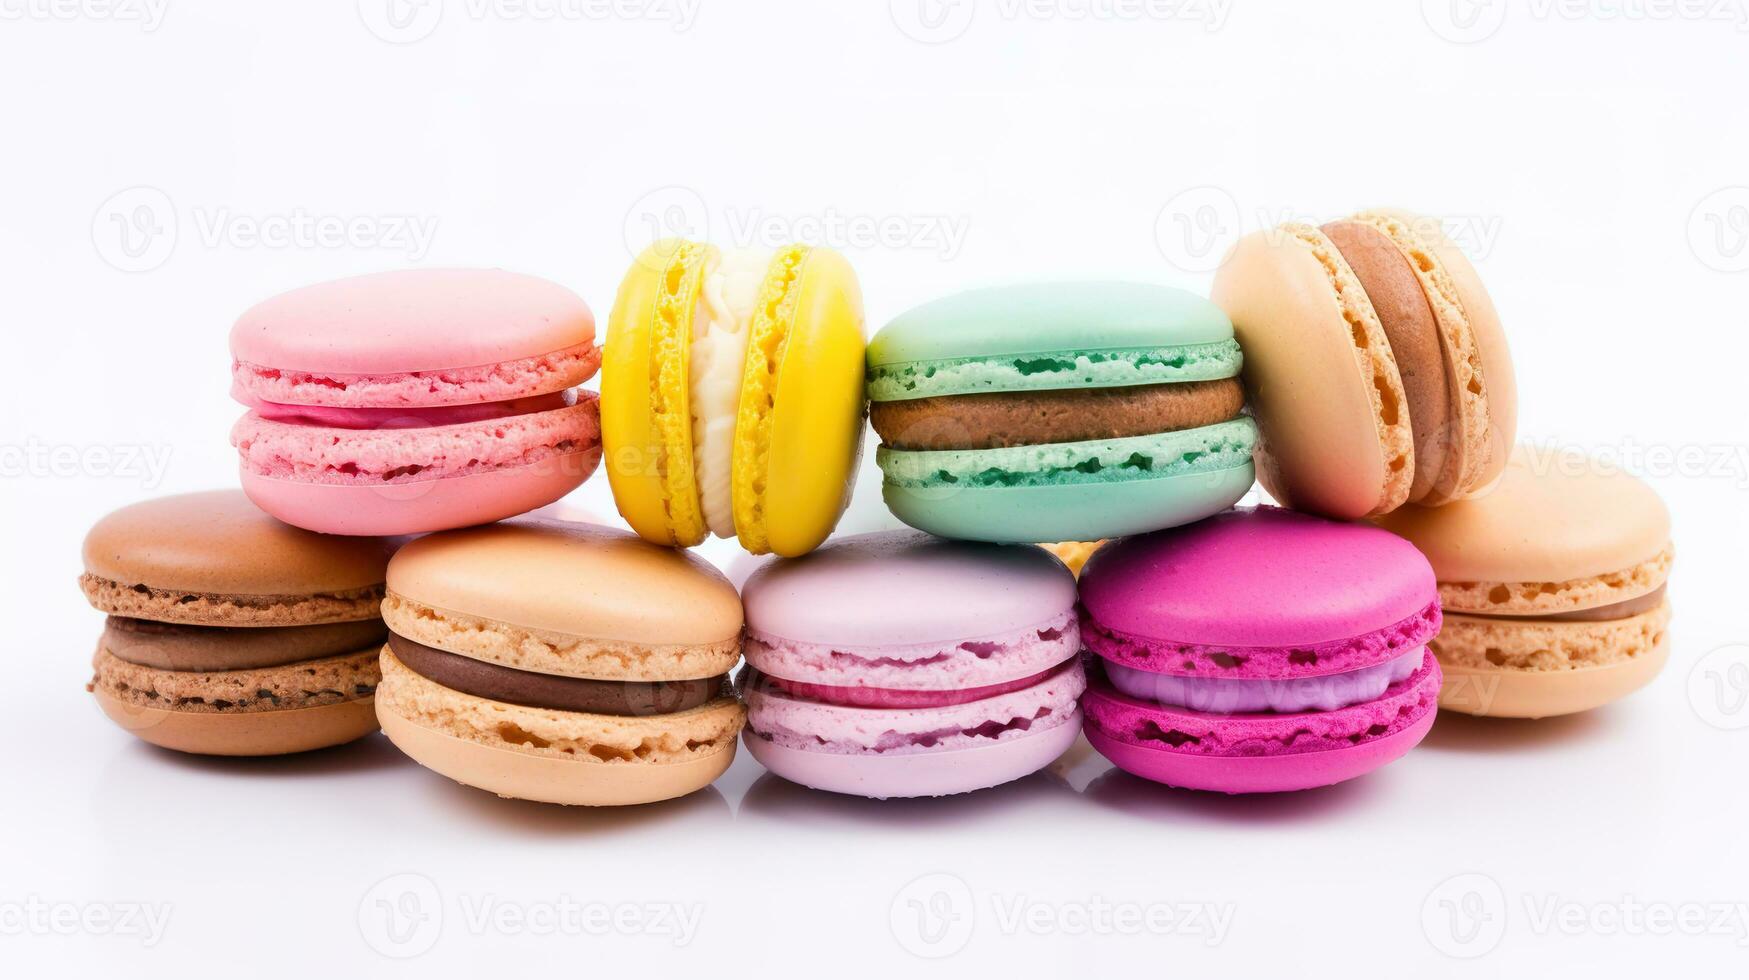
412,320
576,580
1101,322
899,588
1257,577
1553,517
218,543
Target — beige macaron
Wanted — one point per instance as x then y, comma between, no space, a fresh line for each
230,633
560,662
1553,585
1375,364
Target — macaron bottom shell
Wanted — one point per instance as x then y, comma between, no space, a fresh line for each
932,774
1635,652
1260,752
574,759
431,505
251,733
1068,511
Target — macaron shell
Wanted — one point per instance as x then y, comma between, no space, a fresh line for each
802,469
919,775
218,543
253,733
646,421
1076,511
576,580
1260,578
889,590
516,775
412,508
1323,384
412,320
1495,693
1552,518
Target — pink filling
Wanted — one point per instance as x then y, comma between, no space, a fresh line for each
1289,695
877,697
337,417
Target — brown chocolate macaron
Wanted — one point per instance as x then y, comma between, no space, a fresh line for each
230,633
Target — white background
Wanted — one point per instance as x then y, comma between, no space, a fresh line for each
1593,158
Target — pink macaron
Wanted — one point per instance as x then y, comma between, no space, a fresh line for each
895,664
1259,651
415,400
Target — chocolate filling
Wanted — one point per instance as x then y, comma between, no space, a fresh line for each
499,683
991,420
1626,609
174,646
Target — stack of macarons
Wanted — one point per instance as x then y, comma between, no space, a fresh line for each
1258,651
732,394
1059,411
416,400
230,633
894,664
559,662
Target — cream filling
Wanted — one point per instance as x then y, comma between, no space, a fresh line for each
721,326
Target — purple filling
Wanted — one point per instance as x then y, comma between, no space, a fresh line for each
1229,696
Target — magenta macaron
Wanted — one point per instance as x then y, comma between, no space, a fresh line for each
1259,651
415,400
896,664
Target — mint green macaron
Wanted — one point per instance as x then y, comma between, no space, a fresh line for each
1060,412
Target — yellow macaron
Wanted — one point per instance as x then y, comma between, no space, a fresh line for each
732,394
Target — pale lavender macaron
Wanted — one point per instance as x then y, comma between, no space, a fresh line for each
896,664
1260,650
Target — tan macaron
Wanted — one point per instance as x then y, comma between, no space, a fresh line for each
231,633
1375,364
1553,587
560,662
